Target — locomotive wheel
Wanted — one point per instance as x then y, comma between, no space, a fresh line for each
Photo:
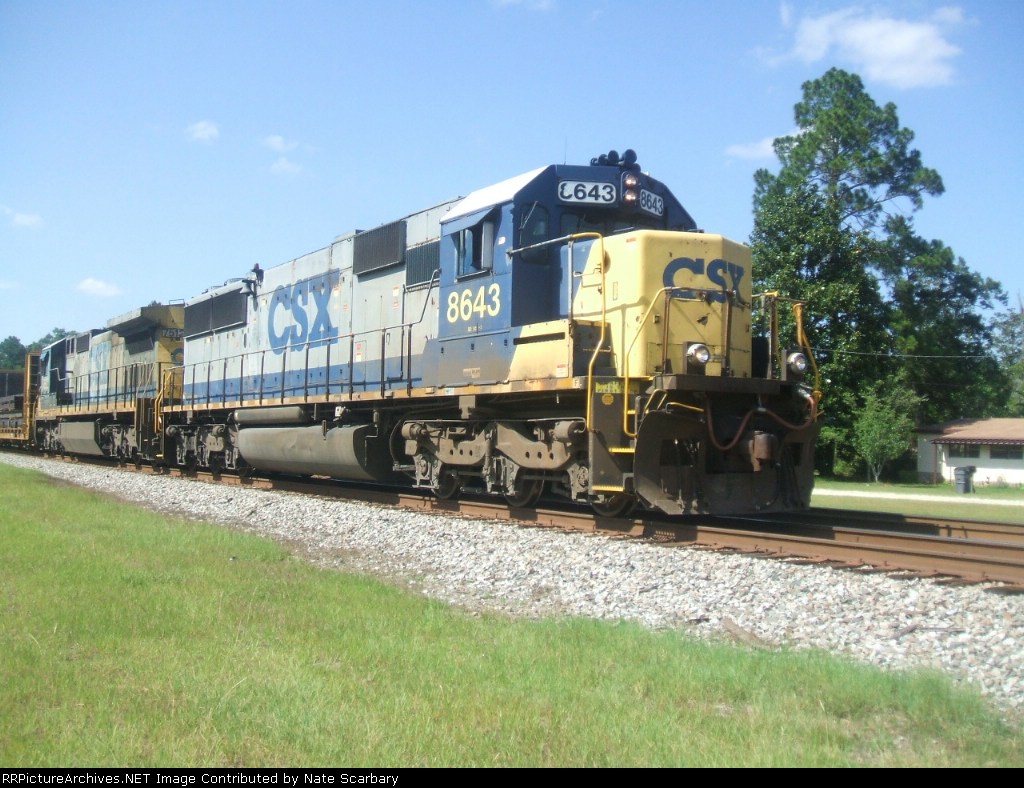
526,495
448,485
618,505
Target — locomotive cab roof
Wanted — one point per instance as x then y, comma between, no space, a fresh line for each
143,319
609,184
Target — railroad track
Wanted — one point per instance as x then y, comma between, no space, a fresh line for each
927,526
946,549
949,550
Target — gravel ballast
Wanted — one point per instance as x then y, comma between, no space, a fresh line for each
969,633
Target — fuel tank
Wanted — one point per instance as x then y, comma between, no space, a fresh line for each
345,452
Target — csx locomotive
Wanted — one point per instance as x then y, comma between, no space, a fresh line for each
567,332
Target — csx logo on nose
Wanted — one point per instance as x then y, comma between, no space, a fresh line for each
716,272
288,321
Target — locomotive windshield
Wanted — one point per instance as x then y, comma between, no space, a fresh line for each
604,222
536,225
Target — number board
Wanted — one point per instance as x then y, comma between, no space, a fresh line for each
652,203
467,304
587,191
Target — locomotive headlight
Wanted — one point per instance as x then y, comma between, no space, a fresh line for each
797,363
631,181
698,353
629,197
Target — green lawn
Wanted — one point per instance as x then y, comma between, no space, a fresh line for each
986,503
129,638
986,492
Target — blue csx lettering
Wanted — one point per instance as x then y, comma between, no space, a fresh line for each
294,301
716,272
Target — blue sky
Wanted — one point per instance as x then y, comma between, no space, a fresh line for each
151,150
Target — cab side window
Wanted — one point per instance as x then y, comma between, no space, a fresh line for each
474,246
535,228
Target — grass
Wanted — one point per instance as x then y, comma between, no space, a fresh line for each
984,492
129,638
973,507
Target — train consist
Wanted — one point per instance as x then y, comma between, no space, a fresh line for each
565,332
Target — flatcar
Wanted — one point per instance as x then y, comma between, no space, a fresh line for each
566,332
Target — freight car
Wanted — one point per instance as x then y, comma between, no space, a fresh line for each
17,402
568,331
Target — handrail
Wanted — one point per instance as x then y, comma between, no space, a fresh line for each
772,297
798,315
599,237
122,386
643,321
158,401
801,337
280,392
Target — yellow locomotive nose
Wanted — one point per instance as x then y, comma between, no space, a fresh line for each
665,292
690,425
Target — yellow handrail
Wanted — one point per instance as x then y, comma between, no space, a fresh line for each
629,349
600,340
801,337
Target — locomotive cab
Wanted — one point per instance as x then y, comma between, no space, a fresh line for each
508,272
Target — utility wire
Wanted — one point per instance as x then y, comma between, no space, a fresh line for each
889,355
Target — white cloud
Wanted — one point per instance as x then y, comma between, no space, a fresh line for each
203,131
284,166
279,144
533,5
97,287
762,149
19,219
898,52
27,220
949,15
786,14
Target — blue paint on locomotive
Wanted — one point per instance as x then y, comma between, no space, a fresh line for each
302,311
722,273
487,296
275,386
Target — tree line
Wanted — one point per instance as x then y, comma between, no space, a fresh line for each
905,332
12,351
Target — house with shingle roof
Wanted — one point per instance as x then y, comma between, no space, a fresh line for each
994,447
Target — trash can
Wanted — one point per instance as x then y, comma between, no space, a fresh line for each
962,476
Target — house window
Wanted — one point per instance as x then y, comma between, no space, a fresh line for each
964,450
1006,452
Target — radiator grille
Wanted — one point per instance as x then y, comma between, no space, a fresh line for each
379,248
